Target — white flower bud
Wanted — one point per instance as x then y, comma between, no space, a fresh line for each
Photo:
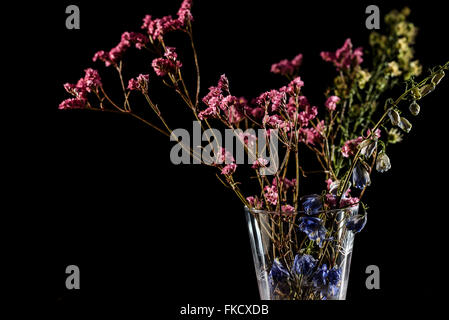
367,147
394,117
437,78
428,88
383,162
414,108
405,125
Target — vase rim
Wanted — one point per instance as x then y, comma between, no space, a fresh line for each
294,213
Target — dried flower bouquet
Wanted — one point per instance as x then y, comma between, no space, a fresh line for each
305,240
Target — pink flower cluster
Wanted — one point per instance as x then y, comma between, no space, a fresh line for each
225,157
220,99
350,147
156,28
345,201
287,67
169,64
247,138
229,169
115,54
89,83
275,104
286,184
254,202
140,83
344,57
331,103
260,162
73,103
271,194
331,198
288,208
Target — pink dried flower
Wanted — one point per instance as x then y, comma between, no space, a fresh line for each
283,67
376,133
210,112
328,183
169,64
309,113
311,135
103,56
158,27
294,87
297,61
344,57
257,113
115,54
288,208
331,103
285,183
247,138
136,38
229,169
224,156
271,100
89,83
271,194
91,79
350,147
233,107
287,67
254,202
348,201
73,103
133,84
184,13
234,114
260,162
223,83
140,83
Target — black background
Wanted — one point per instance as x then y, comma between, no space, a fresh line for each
148,232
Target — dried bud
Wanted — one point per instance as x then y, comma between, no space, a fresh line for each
356,223
416,94
437,78
405,125
383,162
360,176
428,88
414,108
367,147
394,117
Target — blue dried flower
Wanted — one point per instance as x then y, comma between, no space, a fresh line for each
357,222
278,272
320,276
312,204
334,277
314,229
304,264
278,278
327,282
360,177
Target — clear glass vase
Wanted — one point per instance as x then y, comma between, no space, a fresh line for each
302,257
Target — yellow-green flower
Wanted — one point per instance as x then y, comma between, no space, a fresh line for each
393,69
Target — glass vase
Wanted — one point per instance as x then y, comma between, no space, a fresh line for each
299,256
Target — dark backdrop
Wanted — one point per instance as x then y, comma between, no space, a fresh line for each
146,231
